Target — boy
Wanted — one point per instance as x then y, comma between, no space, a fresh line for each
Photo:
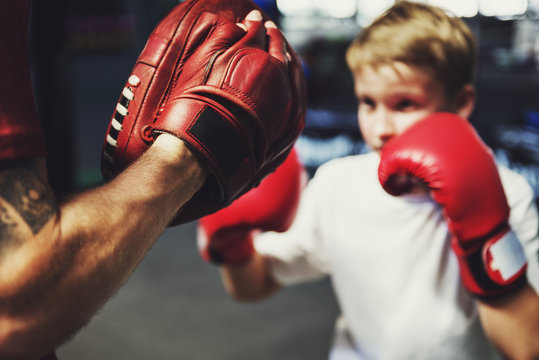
398,264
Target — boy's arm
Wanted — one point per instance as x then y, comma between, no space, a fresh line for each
512,323
226,237
59,264
251,281
445,153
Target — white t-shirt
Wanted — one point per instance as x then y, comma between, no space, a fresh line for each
394,274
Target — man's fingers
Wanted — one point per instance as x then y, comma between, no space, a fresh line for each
251,17
254,15
256,33
277,43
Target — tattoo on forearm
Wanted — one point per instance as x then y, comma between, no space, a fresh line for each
28,193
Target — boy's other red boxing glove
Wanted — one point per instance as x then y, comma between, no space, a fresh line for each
226,237
445,153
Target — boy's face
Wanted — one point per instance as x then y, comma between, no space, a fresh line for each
391,98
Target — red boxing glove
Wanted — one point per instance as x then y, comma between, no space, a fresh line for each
444,152
236,98
226,237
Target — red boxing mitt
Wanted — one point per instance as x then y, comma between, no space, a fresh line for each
236,98
446,154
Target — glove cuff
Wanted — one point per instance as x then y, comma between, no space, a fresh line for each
217,135
495,268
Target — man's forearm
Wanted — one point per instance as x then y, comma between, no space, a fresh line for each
84,253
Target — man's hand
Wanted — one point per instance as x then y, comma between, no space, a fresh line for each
235,94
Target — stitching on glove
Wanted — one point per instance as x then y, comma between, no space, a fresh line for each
246,99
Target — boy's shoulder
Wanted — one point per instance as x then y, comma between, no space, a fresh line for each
514,183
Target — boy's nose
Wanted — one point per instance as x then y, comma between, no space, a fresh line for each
385,126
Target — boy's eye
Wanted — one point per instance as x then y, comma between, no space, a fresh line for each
404,105
368,102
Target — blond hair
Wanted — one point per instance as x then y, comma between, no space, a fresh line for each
418,35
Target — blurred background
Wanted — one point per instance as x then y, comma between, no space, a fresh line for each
174,306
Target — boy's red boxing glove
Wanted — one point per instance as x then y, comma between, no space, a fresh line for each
445,153
226,237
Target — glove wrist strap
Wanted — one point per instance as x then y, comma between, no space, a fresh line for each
496,268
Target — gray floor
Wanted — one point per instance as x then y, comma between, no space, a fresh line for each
174,307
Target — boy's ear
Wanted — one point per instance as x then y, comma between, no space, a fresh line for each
465,101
